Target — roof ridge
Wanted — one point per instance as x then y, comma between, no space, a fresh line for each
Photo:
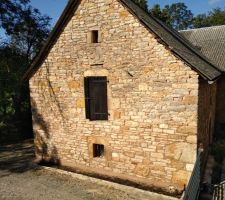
179,45
202,28
146,18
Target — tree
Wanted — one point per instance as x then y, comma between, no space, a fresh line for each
10,13
142,3
158,13
213,18
176,15
26,29
25,26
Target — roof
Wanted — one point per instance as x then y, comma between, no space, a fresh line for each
169,37
210,41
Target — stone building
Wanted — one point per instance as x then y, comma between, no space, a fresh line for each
211,42
117,93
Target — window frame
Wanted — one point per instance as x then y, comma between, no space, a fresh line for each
89,82
98,150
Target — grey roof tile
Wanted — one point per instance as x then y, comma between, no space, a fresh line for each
210,41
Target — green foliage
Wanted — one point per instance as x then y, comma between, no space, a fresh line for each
25,26
179,17
160,14
142,3
213,18
26,29
176,15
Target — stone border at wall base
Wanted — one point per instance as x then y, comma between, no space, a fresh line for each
124,188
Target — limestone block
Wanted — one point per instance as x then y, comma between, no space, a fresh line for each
142,170
190,100
73,84
182,151
192,139
169,131
117,115
157,155
115,155
56,89
116,103
180,178
189,167
143,87
80,103
187,129
163,126
124,13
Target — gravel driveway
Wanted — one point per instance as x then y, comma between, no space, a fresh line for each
22,180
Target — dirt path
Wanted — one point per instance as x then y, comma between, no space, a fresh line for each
21,180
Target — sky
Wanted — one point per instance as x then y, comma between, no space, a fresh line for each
55,7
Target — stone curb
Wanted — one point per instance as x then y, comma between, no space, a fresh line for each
124,188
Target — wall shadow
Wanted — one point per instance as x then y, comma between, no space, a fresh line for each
206,119
17,158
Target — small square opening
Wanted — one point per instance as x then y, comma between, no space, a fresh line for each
98,150
94,36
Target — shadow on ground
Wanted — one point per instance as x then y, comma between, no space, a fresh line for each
17,158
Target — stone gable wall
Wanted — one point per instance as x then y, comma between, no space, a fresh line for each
151,134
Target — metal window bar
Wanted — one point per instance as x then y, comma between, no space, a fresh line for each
219,191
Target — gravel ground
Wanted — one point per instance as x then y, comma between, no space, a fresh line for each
20,179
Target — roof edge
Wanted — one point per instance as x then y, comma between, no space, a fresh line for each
202,28
53,36
178,37
142,16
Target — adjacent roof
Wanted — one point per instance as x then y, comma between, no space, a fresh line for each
210,41
171,38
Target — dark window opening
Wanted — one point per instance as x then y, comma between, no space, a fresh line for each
94,37
98,150
96,102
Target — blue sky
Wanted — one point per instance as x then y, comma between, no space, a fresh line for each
54,7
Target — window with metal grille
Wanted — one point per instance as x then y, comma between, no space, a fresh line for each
96,103
98,150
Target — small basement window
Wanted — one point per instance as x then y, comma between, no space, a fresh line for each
94,36
98,150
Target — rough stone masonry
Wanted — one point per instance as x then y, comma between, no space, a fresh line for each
151,134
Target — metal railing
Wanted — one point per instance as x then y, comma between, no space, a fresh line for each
193,188
219,191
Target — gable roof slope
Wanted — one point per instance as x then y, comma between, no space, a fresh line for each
174,40
211,41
